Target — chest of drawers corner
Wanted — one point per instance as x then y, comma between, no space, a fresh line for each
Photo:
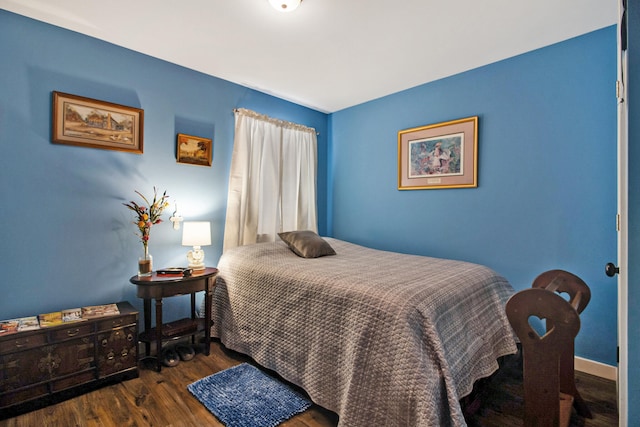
47,365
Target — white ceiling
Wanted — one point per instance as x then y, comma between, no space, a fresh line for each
327,54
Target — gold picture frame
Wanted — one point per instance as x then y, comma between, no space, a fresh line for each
87,122
194,150
438,156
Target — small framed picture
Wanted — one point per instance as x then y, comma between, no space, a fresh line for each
442,155
91,123
194,150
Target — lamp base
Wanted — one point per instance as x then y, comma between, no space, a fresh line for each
196,258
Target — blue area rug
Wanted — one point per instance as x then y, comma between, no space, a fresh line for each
244,396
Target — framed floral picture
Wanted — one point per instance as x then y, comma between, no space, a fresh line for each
194,150
442,155
91,123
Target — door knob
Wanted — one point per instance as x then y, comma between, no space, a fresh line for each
611,270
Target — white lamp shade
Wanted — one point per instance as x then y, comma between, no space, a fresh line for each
285,5
196,233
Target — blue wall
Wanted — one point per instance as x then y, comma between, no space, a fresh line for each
66,238
547,174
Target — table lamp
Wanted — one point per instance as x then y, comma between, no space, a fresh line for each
196,234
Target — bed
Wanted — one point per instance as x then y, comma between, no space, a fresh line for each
380,338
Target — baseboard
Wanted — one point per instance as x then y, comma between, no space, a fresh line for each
596,368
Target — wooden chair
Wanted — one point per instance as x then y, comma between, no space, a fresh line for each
548,360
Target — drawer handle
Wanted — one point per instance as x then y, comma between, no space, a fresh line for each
117,322
124,353
105,342
20,344
130,337
73,333
111,356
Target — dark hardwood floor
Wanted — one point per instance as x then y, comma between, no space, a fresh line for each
162,399
502,404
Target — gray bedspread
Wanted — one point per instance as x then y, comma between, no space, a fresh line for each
381,338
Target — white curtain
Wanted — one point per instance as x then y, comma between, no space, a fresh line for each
272,183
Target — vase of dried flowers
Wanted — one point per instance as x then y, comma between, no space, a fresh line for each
145,218
145,263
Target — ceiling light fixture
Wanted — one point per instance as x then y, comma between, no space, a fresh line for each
285,5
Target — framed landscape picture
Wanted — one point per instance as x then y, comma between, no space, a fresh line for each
91,123
194,150
442,155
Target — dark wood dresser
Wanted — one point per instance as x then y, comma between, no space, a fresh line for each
48,365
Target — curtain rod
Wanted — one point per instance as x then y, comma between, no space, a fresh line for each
283,123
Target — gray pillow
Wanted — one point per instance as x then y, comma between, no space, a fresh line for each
307,244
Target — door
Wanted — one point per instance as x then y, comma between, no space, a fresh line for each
622,219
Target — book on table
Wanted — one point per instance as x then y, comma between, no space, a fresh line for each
72,315
92,311
28,323
9,326
50,319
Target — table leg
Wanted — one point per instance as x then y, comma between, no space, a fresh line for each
193,314
147,325
208,293
158,334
